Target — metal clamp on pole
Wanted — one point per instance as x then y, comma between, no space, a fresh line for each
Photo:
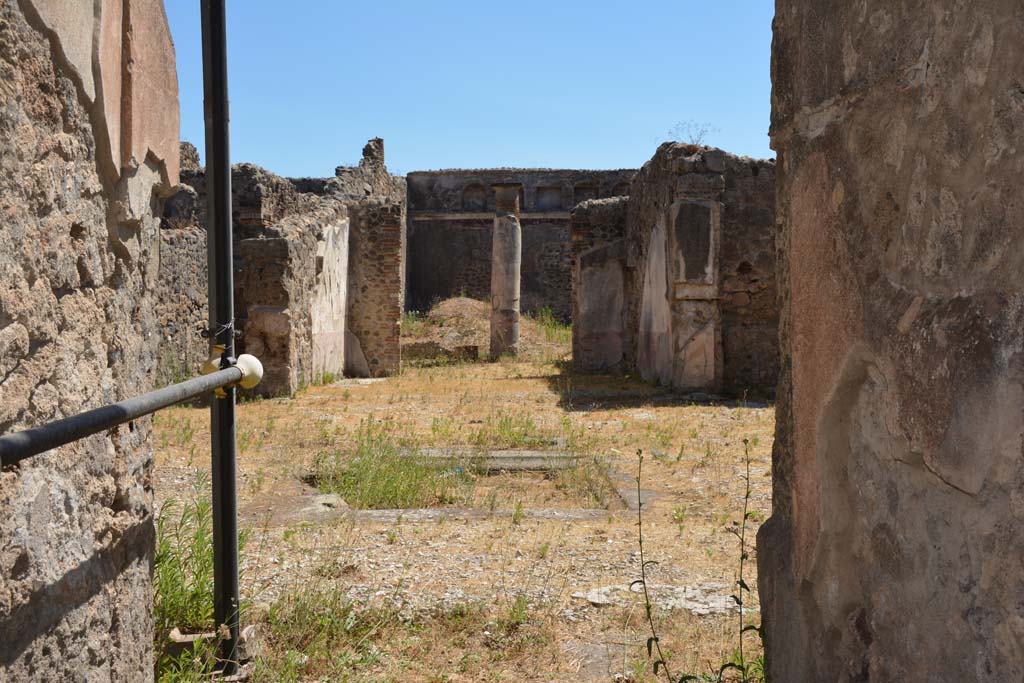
251,367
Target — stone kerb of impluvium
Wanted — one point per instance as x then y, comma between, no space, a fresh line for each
506,261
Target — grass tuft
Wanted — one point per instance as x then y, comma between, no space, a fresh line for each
555,330
183,583
504,429
318,631
414,324
378,472
587,481
183,565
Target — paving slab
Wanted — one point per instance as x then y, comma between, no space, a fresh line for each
510,460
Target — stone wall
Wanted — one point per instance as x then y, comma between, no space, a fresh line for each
746,265
259,199
451,216
699,245
318,271
369,179
273,285
600,337
181,305
377,283
290,295
88,147
693,246
894,548
189,157
376,202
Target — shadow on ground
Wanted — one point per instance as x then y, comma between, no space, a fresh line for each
584,391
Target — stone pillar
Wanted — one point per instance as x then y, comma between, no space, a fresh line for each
376,286
506,259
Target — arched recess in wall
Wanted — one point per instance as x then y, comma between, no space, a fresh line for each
474,197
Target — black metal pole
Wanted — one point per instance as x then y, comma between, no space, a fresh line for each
222,327
29,442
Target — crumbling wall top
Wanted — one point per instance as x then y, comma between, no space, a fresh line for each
370,178
189,157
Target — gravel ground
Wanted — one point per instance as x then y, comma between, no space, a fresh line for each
572,562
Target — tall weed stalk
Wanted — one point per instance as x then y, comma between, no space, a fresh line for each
749,671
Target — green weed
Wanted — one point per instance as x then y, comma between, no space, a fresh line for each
319,631
442,429
183,564
555,330
588,482
508,430
325,378
414,324
378,472
183,582
679,517
518,612
748,670
518,513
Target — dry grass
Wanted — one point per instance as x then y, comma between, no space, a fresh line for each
462,321
313,634
487,565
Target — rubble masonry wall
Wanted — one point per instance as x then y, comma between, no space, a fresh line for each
689,258
88,150
319,271
451,218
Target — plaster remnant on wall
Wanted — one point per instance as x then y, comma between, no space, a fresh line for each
694,241
654,354
330,302
892,552
120,54
319,269
600,338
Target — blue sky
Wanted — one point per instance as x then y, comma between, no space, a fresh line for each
453,84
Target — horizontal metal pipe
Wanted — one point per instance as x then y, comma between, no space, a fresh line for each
20,445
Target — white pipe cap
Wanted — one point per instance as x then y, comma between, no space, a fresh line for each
252,370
